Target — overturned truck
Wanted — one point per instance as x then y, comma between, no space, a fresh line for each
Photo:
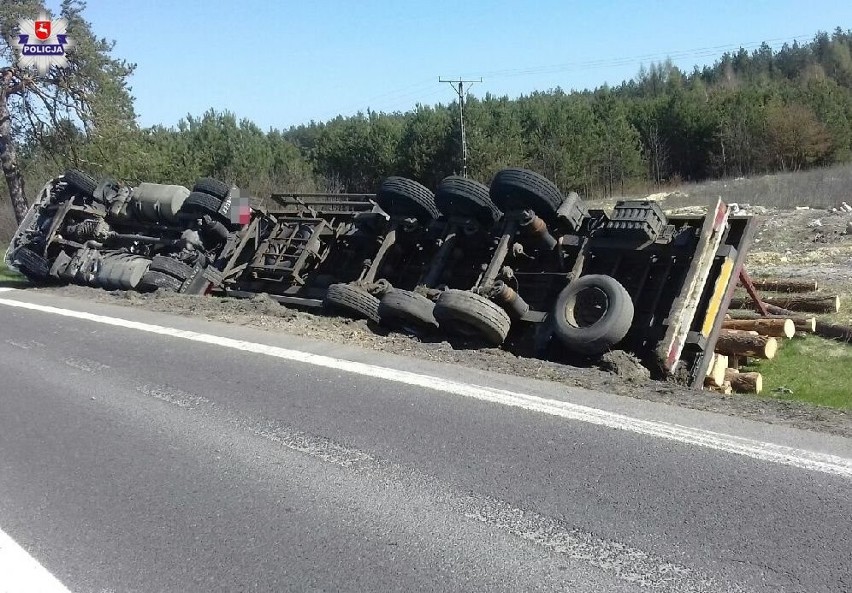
516,263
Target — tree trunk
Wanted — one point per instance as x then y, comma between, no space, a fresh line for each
782,285
810,304
802,324
9,158
777,328
744,382
740,343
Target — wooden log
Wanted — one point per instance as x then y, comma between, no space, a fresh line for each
738,343
834,331
802,324
777,328
784,285
804,304
743,332
726,388
716,370
744,382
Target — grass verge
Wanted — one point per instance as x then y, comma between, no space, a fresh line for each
809,369
7,276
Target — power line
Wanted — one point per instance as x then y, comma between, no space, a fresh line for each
626,61
461,93
394,97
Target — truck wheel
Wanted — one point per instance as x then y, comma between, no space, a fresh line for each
399,196
213,187
407,309
468,314
153,280
31,264
82,182
201,203
520,189
172,267
351,301
465,197
592,314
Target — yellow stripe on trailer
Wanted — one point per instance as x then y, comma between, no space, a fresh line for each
718,294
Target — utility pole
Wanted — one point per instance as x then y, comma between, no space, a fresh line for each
458,87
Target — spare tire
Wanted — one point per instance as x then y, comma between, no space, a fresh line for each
592,314
468,314
520,189
200,203
352,302
406,198
213,187
82,182
459,196
407,309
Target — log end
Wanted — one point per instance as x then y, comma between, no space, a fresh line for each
771,348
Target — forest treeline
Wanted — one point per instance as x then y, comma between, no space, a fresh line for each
751,112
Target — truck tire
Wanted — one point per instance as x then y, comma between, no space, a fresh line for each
592,314
172,267
153,280
31,264
407,309
80,181
351,301
406,198
460,196
468,314
213,187
201,203
520,189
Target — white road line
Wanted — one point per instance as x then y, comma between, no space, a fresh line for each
801,458
21,573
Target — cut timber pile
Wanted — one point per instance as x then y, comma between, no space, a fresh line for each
832,331
733,342
807,304
777,328
802,324
783,285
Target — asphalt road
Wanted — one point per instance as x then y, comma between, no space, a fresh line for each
132,460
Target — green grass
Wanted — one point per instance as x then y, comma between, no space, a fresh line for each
7,276
816,370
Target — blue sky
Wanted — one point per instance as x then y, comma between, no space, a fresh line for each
285,63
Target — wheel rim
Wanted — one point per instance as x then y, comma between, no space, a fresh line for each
587,307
